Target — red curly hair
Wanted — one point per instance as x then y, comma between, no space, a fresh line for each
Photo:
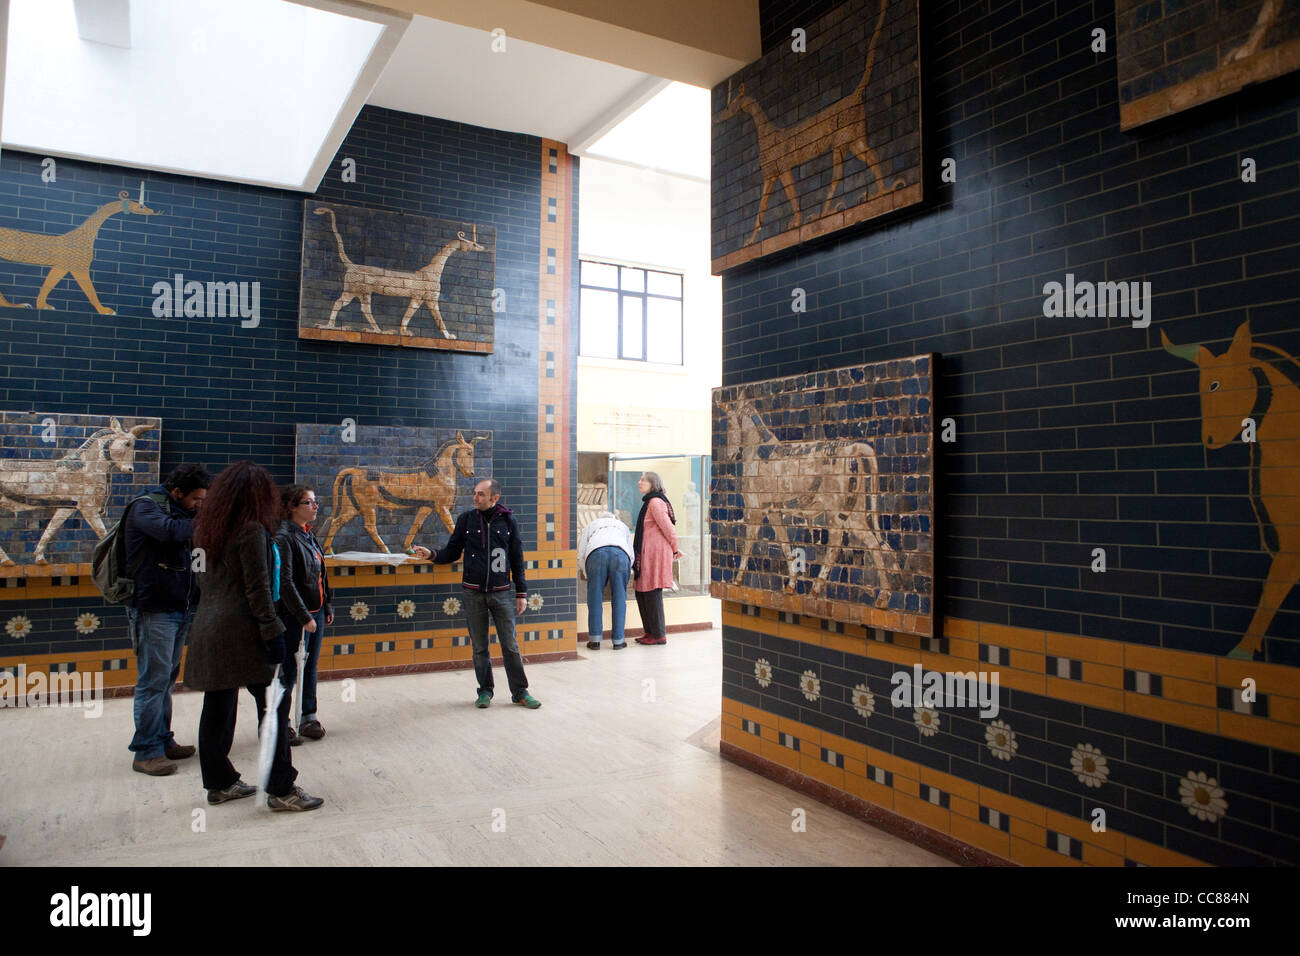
243,493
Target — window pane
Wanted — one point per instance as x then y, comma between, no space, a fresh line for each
634,280
596,273
599,323
664,331
664,283
632,327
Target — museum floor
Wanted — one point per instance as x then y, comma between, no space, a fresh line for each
413,774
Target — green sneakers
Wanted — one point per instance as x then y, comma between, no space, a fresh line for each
528,700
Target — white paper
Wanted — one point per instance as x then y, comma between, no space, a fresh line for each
372,557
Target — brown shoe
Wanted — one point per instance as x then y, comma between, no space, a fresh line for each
312,730
154,766
177,751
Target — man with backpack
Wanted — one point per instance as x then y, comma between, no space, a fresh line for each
156,530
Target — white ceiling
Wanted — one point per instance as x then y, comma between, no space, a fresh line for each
451,71
189,87
127,81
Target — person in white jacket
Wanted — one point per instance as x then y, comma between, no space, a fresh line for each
605,556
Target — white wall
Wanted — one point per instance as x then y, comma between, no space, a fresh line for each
639,217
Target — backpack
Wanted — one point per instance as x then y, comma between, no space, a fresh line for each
108,561
273,566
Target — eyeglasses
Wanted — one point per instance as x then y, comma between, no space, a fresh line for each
309,501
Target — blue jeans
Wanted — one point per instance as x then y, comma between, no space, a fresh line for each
501,606
309,667
610,564
158,638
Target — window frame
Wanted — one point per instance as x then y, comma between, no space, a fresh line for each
645,296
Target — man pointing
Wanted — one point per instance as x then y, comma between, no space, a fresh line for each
494,552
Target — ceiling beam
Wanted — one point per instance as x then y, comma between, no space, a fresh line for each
104,21
581,140
394,24
684,40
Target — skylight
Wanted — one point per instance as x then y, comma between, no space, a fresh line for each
255,91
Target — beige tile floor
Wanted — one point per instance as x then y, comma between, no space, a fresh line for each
619,767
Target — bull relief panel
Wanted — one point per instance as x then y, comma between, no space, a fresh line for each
385,488
821,133
1176,56
1249,392
65,479
388,278
822,500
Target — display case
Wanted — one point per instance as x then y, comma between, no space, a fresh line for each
684,478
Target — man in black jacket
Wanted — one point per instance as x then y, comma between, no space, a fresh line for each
157,533
494,552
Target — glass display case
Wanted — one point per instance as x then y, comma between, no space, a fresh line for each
685,479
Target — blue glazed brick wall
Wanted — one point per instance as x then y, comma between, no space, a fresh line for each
1072,433
1069,434
225,392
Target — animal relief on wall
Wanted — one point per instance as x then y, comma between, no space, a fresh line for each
818,136
378,490
64,478
1176,56
67,254
822,496
1251,393
388,278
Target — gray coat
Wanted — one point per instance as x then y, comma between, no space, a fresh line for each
236,617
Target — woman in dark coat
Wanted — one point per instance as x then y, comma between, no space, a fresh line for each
237,638
305,597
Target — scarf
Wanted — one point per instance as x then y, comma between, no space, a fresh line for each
640,528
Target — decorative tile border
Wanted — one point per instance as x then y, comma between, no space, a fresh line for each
1201,692
373,655
977,826
21,582
1192,791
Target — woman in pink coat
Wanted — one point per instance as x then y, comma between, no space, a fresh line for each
655,546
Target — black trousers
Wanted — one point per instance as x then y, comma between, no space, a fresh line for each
217,734
651,606
288,672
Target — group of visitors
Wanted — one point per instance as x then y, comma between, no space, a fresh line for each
231,565
608,553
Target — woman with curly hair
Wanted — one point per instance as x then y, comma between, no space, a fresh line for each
237,638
